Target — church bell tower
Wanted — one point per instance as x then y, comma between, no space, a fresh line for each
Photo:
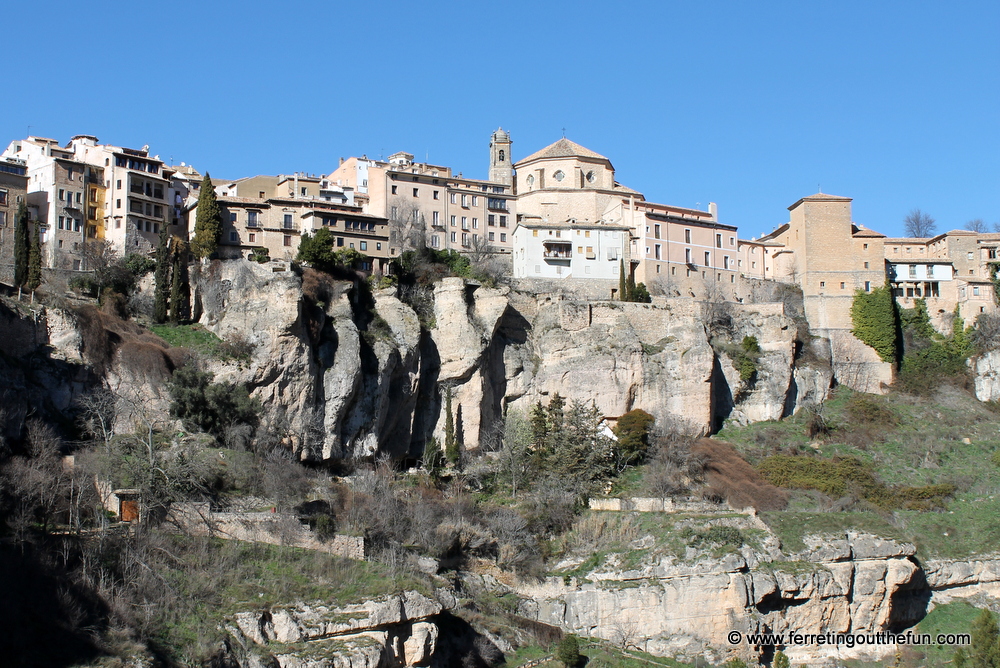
501,166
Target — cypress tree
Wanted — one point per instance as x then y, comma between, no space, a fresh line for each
34,260
21,245
985,649
208,221
621,281
450,442
180,287
161,293
630,288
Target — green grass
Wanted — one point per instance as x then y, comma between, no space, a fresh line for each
954,617
194,337
791,527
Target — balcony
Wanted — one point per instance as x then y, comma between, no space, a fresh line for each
558,255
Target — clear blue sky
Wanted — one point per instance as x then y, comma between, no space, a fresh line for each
748,104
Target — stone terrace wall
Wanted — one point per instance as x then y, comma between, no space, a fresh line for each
272,528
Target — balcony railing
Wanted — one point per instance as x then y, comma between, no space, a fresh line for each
558,255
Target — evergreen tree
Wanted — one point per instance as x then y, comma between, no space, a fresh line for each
630,288
632,432
780,660
180,287
22,246
984,651
622,288
433,458
208,221
539,426
161,293
450,442
568,651
34,260
960,660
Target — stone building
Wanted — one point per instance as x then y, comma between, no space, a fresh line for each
673,250
567,249
295,186
429,205
13,191
66,196
276,225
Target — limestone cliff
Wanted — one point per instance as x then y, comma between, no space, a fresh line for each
342,373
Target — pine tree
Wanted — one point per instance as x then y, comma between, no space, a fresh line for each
180,287
450,442
780,660
433,458
208,221
161,293
630,288
22,246
985,649
568,651
34,260
621,281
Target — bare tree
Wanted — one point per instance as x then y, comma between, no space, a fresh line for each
977,225
407,225
919,224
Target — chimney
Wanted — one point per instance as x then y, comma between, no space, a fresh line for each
713,209
341,160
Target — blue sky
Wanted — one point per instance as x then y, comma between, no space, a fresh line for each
749,105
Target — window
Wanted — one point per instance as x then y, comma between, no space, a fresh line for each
491,220
465,239
842,285
732,241
913,271
687,255
656,231
465,201
969,255
708,258
718,241
340,242
503,236
559,175
415,192
500,156
436,218
378,245
822,284
503,221
656,252
364,245
465,223
234,237
866,246
435,241
868,286
491,237
303,191
62,194
394,190
453,221
975,291
866,265
475,201
454,198
253,237
725,262
260,194
687,236
251,219
3,197
232,216
992,253
286,240
288,221
119,186
452,237
475,223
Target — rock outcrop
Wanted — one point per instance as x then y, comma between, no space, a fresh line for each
341,373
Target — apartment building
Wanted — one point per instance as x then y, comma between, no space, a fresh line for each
567,249
13,191
296,186
276,224
429,205
66,196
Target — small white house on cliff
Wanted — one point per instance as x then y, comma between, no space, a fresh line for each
568,249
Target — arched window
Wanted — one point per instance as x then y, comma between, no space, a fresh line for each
501,155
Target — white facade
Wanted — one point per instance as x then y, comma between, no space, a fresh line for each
921,271
568,250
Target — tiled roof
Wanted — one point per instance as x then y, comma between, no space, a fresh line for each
820,197
864,232
564,148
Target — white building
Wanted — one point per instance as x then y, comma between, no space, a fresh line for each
568,249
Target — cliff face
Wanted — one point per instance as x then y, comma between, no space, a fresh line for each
343,374
344,382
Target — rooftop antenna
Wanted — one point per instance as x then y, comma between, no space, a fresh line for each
820,187
29,131
564,133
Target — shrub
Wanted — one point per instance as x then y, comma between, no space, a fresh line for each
260,255
870,409
568,651
632,432
236,346
211,406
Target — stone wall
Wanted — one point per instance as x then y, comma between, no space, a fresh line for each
198,519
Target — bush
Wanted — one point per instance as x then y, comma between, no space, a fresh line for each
870,409
260,255
568,651
211,406
632,432
236,346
